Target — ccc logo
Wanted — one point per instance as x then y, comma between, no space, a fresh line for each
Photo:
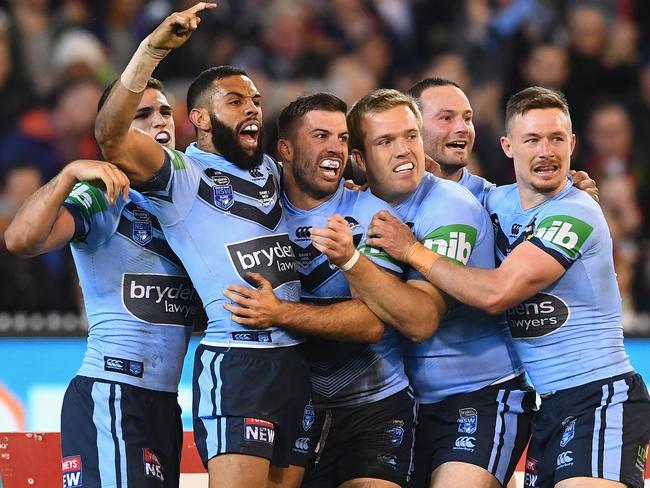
465,442
564,458
255,172
302,444
303,232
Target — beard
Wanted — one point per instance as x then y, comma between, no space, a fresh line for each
225,140
305,174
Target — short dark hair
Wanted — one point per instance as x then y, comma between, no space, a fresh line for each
301,106
535,97
203,83
375,102
154,83
416,90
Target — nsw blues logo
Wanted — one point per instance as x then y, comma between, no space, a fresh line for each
142,230
135,368
223,195
467,420
569,433
308,417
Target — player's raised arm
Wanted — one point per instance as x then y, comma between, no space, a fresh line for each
42,224
136,153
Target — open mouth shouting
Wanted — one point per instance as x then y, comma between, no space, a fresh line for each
163,137
249,134
329,167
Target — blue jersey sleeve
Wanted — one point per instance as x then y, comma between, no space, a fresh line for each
567,232
368,206
173,189
452,229
94,217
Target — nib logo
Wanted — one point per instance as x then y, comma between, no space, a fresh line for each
455,242
564,231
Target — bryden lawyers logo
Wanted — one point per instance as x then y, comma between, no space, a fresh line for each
161,299
271,256
538,316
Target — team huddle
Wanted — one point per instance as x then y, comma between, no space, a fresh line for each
421,332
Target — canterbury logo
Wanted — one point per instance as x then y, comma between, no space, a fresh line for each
564,458
465,442
302,444
255,172
303,232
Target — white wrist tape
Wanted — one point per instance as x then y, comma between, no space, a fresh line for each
351,262
139,70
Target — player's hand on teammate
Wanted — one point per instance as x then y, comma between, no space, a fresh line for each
351,185
390,234
335,240
258,308
177,28
101,174
582,181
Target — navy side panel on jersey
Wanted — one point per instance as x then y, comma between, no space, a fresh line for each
344,374
140,303
471,349
570,333
223,222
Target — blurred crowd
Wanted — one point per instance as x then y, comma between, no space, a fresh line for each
56,56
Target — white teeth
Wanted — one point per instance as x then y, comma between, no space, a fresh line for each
404,167
330,164
251,127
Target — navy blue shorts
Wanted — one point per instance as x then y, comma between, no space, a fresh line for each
250,401
489,428
118,435
597,430
373,440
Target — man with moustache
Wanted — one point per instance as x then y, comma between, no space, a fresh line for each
220,210
474,405
120,420
556,281
365,410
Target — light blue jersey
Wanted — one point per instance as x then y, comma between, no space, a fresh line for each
471,349
477,186
140,303
344,374
570,333
224,222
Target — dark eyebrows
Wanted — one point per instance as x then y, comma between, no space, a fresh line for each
241,95
148,110
143,112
